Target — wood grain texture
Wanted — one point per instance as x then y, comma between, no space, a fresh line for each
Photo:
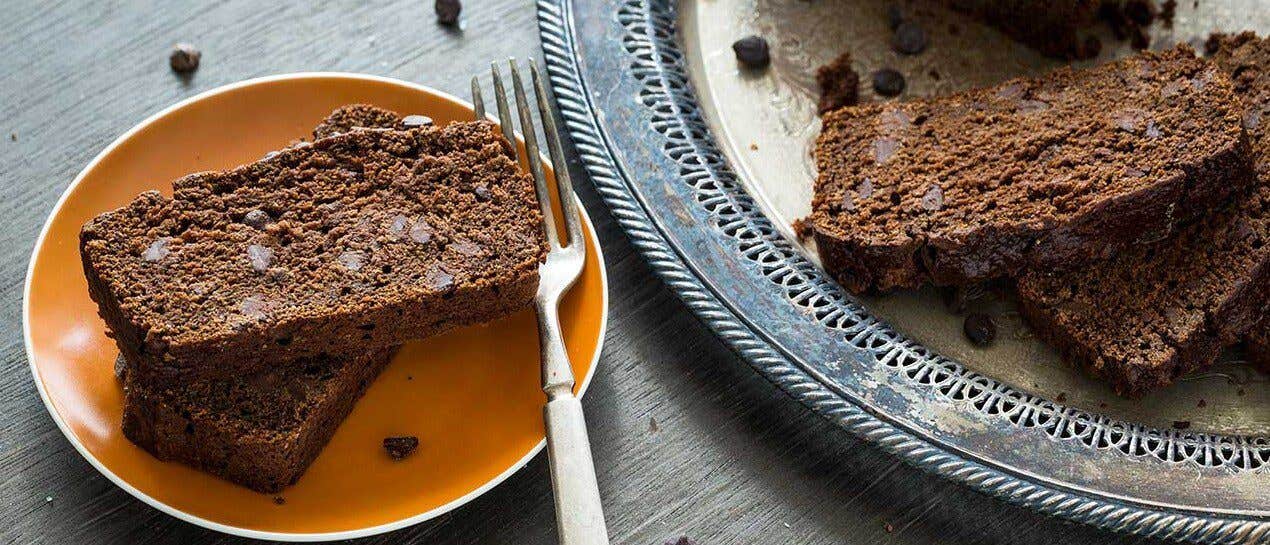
688,439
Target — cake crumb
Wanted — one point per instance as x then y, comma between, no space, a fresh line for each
889,529
1062,397
1202,404
652,425
753,147
1181,424
400,447
839,84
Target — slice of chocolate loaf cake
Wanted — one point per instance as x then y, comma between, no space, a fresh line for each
262,430
1152,313
356,241
1045,173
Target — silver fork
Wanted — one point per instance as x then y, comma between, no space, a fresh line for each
579,515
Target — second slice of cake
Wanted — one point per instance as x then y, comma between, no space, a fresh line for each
358,241
1045,173
1150,314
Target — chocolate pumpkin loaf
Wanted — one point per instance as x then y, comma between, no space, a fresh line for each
1045,173
262,430
1154,312
354,242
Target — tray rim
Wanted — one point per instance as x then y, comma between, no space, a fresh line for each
591,139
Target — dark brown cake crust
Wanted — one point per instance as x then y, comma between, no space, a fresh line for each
1045,173
261,431
1153,313
358,241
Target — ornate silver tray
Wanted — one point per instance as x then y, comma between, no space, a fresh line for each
654,110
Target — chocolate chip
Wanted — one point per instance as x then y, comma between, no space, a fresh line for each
184,58
884,149
448,11
353,261
261,257
438,279
257,218
398,226
466,247
980,328
1181,424
1030,106
865,189
752,52
252,307
421,232
412,121
933,199
157,250
1011,91
888,82
909,39
1252,120
894,16
400,447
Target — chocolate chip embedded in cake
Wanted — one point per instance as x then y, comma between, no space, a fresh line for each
261,430
1154,312
222,296
1044,173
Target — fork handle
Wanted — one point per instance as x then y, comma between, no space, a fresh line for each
579,515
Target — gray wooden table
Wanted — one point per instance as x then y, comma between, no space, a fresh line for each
688,440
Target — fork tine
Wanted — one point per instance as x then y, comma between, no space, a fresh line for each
564,184
504,113
478,103
535,160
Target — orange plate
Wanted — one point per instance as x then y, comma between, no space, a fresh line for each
471,396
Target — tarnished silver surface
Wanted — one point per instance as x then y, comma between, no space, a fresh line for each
621,74
767,125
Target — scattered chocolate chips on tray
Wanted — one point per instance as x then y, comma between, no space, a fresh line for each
448,11
910,38
184,58
399,448
752,51
888,82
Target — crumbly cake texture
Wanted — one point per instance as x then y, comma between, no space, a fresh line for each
356,116
1043,173
262,430
358,241
1155,312
1051,27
